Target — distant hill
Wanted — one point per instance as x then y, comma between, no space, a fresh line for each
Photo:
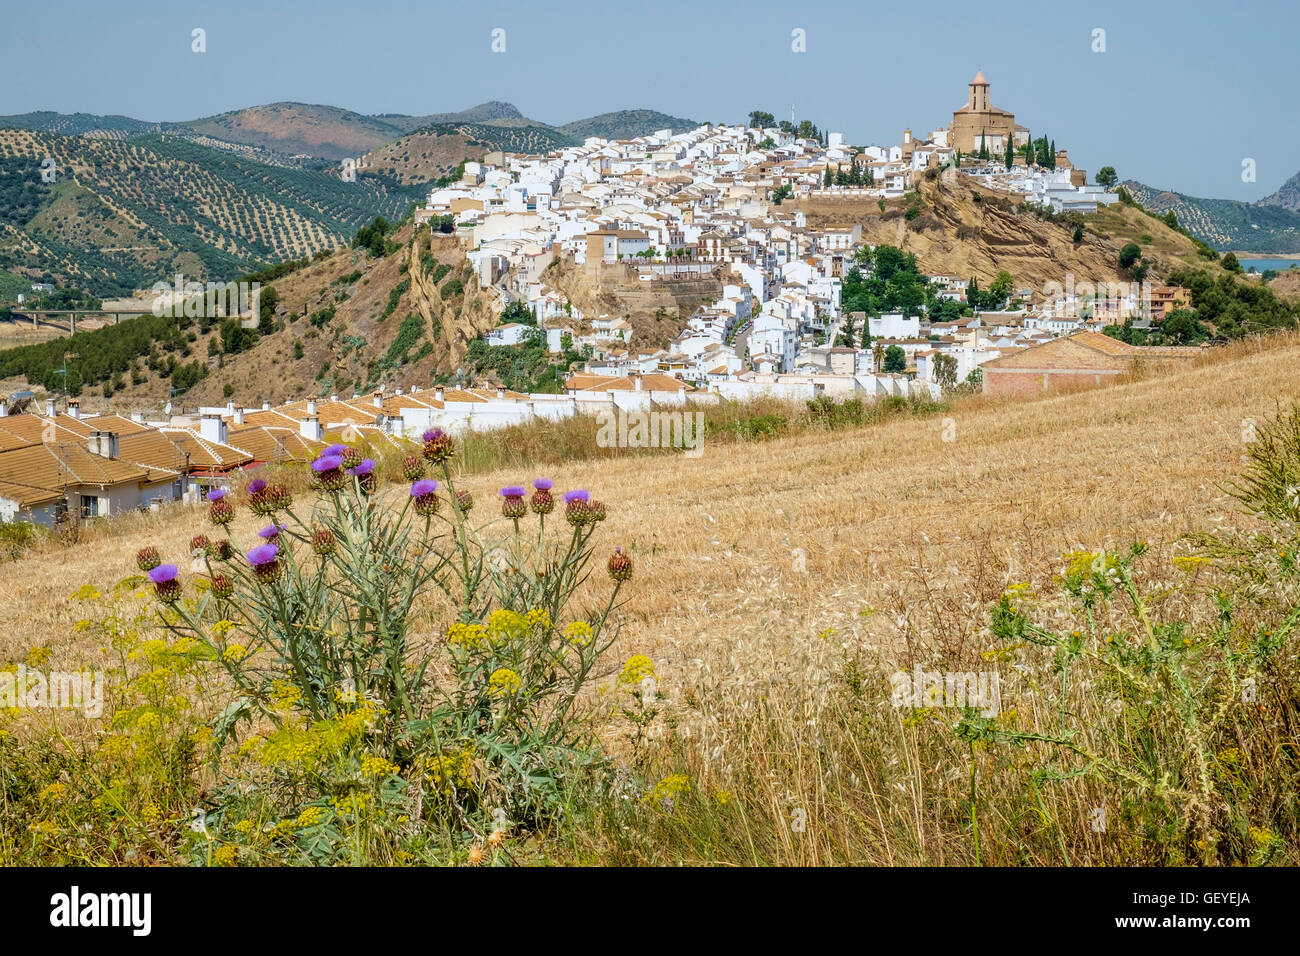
433,151
1226,223
324,131
626,124
77,124
125,214
1288,196
493,111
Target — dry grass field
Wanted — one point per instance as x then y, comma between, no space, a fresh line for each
776,581
719,540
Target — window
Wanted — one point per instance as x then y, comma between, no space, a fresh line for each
89,506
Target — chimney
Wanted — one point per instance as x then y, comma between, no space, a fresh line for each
103,444
212,427
378,398
230,407
50,411
334,397
266,406
399,390
311,406
4,409
74,407
239,415
501,391
137,417
638,382
439,392
309,427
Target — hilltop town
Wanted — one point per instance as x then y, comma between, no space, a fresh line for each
806,309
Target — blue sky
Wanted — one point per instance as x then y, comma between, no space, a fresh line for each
1182,94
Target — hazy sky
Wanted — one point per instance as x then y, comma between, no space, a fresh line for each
1182,94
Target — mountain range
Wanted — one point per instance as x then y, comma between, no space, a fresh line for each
304,133
134,202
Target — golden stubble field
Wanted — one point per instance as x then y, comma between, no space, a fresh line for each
887,534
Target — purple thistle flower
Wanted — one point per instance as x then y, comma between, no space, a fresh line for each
263,555
163,574
256,486
576,495
216,494
432,434
326,463
543,484
366,466
339,450
425,486
270,532
512,491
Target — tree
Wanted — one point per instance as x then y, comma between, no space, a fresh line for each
1106,176
1181,328
761,120
1029,153
945,370
895,359
984,149
1129,255
1008,159
1170,219
1230,262
827,179
1078,234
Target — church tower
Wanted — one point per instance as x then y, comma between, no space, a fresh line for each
979,93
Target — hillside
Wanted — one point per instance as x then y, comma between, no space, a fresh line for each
77,124
969,231
626,124
324,131
432,151
1226,224
125,214
341,323
493,111
1287,196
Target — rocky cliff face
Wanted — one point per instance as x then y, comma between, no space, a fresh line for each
969,231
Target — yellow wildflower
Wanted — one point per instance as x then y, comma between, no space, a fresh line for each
225,855
310,817
284,694
244,826
53,792
505,625
579,633
373,765
637,669
503,682
234,653
538,619
38,657
668,789
1262,836
151,813
466,635
223,627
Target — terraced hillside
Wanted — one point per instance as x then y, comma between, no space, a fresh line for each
125,214
1225,223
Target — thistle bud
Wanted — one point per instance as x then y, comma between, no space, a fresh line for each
147,558
620,565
